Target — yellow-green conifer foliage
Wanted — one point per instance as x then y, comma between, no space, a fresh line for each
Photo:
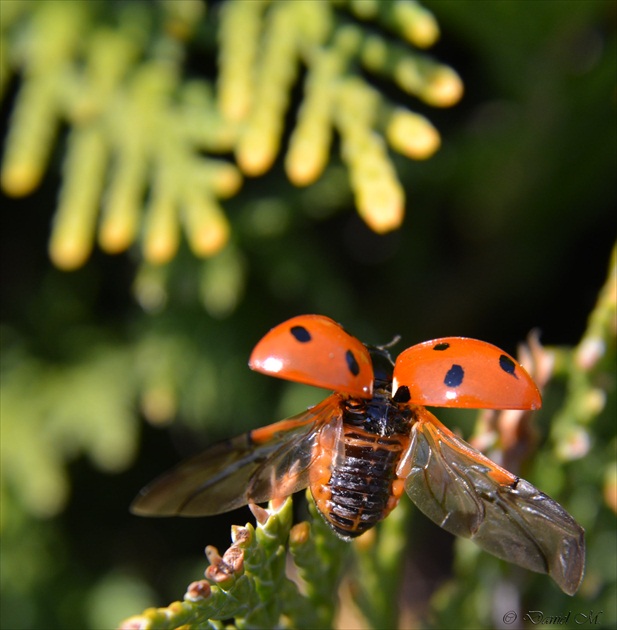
142,154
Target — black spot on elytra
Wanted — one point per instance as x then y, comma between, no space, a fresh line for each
402,394
301,334
454,376
507,365
352,364
441,346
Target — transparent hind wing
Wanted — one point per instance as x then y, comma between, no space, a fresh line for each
266,463
468,495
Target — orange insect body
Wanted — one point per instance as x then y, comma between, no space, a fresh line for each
372,438
355,484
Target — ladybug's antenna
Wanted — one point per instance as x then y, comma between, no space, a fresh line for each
388,345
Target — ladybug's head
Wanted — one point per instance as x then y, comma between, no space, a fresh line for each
382,367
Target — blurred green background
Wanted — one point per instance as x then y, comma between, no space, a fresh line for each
113,372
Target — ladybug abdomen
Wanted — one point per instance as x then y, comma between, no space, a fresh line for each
360,487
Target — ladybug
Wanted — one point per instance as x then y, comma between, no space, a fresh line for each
373,438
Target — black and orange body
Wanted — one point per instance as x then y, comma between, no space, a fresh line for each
355,483
373,439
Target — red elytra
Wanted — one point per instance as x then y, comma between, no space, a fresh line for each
315,350
446,372
463,372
